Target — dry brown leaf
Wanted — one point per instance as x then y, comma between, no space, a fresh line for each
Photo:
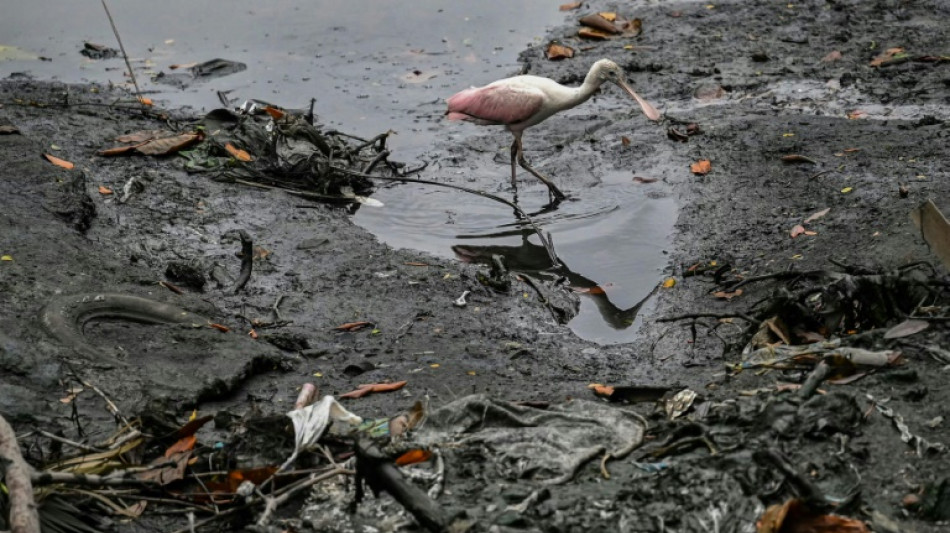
559,51
363,390
168,145
604,391
796,231
62,163
856,114
816,216
889,55
625,141
143,135
570,7
598,22
118,150
8,129
146,101
793,516
796,158
237,153
633,28
183,65
416,264
701,167
832,57
182,445
906,329
353,326
608,15
275,113
728,295
220,327
105,191
590,33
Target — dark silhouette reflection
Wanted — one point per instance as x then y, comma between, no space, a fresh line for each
532,258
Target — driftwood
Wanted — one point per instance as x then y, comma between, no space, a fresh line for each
24,517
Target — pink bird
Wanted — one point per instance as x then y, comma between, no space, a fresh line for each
520,102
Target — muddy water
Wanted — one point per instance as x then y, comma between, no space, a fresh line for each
373,66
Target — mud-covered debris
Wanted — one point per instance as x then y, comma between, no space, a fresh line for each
891,56
934,228
8,129
558,51
98,51
701,167
601,24
373,388
570,7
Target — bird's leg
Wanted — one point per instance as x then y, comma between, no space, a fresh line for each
515,146
555,193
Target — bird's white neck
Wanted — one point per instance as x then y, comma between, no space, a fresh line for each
592,82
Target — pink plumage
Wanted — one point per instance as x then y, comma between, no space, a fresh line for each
495,104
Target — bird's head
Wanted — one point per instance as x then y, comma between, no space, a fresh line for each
606,70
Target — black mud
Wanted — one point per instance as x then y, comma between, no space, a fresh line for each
778,98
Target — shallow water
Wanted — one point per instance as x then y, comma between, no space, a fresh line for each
374,66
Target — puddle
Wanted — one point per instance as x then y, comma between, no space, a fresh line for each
373,66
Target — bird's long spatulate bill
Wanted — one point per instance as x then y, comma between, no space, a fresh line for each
648,109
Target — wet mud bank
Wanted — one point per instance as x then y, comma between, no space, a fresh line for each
869,145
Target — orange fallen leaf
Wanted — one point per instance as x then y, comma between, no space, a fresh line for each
832,57
252,334
240,155
794,517
604,391
669,283
728,295
363,390
413,456
275,113
143,135
168,145
569,7
59,162
118,150
559,51
599,23
817,215
889,55
625,141
608,15
701,167
796,231
590,33
105,191
182,445
353,326
146,101
220,327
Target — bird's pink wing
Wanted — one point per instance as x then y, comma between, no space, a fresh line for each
496,104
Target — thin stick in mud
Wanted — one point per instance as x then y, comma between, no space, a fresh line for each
138,92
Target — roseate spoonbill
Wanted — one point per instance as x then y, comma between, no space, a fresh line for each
520,102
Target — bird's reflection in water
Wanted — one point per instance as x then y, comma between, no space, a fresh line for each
533,259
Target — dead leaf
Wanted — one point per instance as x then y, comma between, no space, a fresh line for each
889,56
604,391
633,28
638,179
669,283
143,135
105,191
810,233
182,445
413,456
118,150
596,289
934,228
590,33
260,253
183,65
416,264
168,145
795,158
600,23
624,140
146,101
796,231
728,295
8,129
856,114
849,150
363,390
354,326
168,474
709,91
220,327
794,516
559,51
275,113
62,163
832,57
701,167
906,329
816,216
569,7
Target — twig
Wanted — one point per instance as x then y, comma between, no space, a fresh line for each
247,261
74,444
290,492
52,478
109,404
24,517
743,316
138,92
